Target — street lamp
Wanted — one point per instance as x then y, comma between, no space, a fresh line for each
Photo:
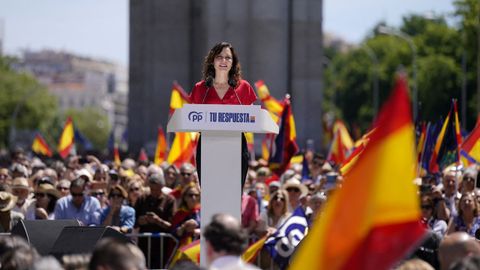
376,93
390,31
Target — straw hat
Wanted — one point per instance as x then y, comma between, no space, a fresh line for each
20,182
48,189
7,201
295,183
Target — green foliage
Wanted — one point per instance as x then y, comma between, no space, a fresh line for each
93,124
440,47
35,108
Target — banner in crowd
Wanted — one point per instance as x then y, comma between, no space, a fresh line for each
282,244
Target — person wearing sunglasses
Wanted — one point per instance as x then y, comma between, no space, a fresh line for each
429,217
186,221
276,214
117,215
187,175
222,83
135,191
78,205
43,207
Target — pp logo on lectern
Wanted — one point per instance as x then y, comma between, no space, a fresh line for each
195,116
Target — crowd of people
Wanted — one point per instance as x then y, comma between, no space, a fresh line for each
141,197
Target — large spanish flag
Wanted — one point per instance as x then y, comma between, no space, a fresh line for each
40,146
161,149
66,139
374,219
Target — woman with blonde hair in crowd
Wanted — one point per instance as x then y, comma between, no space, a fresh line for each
135,191
467,219
276,214
186,221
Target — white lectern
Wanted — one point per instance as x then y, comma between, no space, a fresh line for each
221,127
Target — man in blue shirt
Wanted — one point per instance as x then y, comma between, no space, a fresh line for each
78,205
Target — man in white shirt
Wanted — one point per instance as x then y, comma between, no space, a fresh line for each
226,241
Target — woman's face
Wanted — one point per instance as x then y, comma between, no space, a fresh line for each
427,209
192,198
223,61
42,199
135,190
278,202
467,203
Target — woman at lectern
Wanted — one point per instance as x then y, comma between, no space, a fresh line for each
222,84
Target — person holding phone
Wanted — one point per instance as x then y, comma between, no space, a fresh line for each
222,83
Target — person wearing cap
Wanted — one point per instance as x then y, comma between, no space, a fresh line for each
78,205
21,189
8,217
295,190
117,215
85,174
154,214
225,241
43,207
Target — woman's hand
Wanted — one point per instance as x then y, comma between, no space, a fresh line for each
40,213
190,225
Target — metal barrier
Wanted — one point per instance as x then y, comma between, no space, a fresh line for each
134,237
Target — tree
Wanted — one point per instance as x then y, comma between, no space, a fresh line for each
25,103
438,70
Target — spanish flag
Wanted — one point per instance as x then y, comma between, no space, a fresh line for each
342,143
178,98
253,250
190,252
66,139
274,106
40,146
183,147
374,219
161,150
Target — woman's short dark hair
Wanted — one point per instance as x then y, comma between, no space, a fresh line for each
235,73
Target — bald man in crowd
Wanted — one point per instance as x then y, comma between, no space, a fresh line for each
226,240
455,247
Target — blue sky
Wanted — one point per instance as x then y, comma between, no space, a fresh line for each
99,28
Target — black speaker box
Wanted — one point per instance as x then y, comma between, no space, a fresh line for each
82,240
42,234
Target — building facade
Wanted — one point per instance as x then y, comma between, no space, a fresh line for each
80,82
278,41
